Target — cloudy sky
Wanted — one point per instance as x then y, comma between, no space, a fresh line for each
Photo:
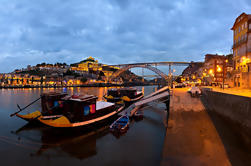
114,31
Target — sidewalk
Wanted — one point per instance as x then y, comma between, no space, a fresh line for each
234,91
191,138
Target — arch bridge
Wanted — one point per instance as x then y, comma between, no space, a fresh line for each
149,65
123,69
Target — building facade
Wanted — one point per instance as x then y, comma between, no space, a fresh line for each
215,69
242,50
90,65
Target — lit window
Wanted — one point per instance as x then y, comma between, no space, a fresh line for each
246,25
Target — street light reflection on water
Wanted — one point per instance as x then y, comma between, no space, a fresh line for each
22,144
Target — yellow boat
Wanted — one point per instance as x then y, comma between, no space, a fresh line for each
104,111
62,110
50,103
30,116
126,95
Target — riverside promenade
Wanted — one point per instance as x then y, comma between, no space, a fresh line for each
233,91
191,137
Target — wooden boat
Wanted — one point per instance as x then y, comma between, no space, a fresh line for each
81,111
120,125
126,95
51,105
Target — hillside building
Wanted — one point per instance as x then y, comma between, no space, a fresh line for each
242,50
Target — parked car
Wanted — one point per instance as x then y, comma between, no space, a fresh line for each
180,85
194,91
225,86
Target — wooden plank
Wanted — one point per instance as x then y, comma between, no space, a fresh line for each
150,99
134,111
137,105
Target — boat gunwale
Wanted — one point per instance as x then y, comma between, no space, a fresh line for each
84,123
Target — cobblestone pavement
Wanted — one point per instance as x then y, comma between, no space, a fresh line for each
234,91
191,138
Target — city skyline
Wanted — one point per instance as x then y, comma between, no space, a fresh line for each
114,32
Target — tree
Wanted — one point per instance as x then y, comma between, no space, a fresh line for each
178,79
11,80
41,80
101,74
83,80
68,72
32,80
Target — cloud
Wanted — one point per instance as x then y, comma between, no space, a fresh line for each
114,31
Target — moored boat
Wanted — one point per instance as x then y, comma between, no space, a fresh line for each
51,104
126,95
82,111
120,125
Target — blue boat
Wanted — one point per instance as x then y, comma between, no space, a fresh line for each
121,124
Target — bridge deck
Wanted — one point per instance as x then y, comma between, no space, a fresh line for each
160,63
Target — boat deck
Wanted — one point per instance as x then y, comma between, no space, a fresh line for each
103,104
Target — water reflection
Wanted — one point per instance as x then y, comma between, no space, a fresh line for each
141,145
76,143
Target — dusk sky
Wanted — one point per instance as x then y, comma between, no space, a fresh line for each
114,31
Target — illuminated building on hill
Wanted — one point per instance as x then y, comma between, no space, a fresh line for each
90,65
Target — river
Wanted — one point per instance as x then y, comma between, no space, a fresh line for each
22,144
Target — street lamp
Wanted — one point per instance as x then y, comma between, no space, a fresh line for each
224,68
219,68
211,72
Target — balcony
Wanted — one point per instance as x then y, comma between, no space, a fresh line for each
239,43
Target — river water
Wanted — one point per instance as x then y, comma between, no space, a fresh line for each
22,144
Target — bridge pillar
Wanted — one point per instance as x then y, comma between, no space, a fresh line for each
170,75
143,75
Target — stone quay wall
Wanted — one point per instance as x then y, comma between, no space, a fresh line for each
236,109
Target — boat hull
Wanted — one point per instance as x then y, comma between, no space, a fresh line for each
121,125
64,123
128,101
31,117
133,100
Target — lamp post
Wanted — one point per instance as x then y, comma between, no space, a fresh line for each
223,74
224,69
